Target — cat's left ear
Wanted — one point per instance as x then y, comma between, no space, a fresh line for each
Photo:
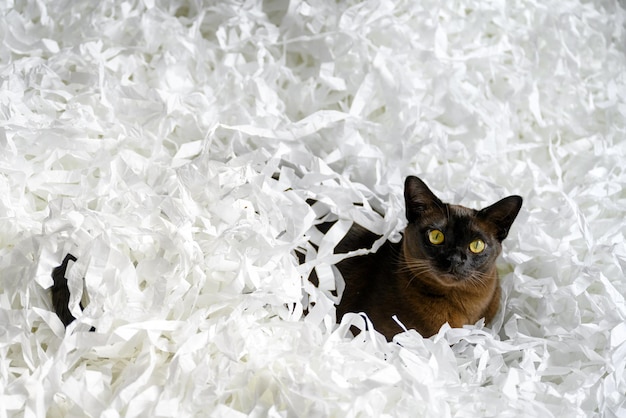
502,214
418,198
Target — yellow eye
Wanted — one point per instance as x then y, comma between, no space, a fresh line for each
477,246
435,236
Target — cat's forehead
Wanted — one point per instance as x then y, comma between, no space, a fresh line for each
461,220
461,211
450,213
451,216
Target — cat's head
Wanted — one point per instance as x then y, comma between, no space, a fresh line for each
450,244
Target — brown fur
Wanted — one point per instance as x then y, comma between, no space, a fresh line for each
61,293
400,279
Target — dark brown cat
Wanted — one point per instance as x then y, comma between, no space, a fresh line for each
443,269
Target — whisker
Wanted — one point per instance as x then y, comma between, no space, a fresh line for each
479,279
420,269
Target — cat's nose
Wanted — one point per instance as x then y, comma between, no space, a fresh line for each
457,262
456,259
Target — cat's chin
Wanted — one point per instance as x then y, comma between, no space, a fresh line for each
450,280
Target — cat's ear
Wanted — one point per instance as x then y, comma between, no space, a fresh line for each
418,198
502,214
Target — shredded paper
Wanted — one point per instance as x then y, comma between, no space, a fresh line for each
175,149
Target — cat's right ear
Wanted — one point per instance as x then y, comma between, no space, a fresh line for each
418,198
502,214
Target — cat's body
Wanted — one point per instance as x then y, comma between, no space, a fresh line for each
443,269
423,282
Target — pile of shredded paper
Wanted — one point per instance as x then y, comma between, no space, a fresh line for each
171,146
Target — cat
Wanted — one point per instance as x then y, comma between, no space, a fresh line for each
443,270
